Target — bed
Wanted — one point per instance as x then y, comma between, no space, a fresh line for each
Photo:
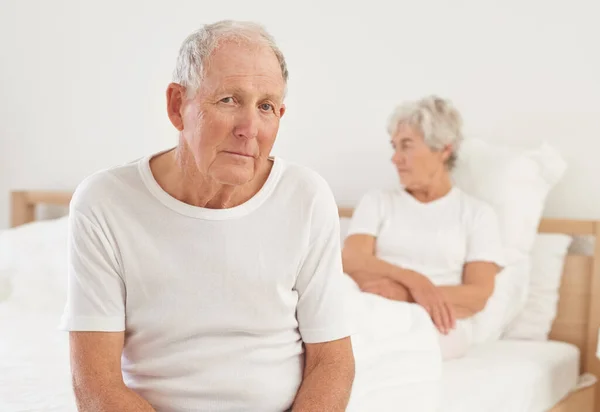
34,358
555,376
558,373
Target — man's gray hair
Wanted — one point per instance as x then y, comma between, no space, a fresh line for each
198,46
435,118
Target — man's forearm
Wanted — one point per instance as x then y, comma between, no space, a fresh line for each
109,399
326,387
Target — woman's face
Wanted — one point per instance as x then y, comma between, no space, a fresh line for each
416,163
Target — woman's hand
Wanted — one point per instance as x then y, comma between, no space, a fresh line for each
426,294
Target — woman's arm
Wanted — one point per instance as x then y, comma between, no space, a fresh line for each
484,257
388,289
373,275
466,299
361,264
478,285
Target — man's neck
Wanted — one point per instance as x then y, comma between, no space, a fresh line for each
178,175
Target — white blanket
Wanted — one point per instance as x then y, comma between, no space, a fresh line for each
398,359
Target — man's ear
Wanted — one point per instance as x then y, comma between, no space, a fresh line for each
447,152
175,100
281,110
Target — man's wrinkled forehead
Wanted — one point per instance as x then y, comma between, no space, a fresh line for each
244,70
264,87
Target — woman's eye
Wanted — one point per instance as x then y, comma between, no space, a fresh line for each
227,100
266,107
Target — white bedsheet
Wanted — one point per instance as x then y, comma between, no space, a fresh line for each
515,376
34,363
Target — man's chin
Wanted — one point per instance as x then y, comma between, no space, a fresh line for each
235,175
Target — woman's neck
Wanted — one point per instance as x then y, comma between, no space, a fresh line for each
433,190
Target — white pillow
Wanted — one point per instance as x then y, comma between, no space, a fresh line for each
548,258
33,260
516,184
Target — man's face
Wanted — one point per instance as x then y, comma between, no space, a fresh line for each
230,125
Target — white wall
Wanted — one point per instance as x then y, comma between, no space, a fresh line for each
82,83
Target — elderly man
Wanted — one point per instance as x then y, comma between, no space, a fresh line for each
206,277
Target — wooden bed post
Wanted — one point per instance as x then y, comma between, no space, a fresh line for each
591,362
22,210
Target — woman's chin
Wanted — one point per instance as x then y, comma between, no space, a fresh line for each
405,182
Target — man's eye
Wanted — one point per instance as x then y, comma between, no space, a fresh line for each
227,100
266,107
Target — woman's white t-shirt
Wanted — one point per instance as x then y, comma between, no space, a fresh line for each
435,238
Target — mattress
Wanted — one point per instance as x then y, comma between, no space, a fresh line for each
515,376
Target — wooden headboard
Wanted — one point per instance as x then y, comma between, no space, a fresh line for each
24,204
578,318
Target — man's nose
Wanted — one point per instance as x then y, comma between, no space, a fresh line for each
247,123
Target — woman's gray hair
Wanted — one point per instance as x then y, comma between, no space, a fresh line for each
197,47
435,118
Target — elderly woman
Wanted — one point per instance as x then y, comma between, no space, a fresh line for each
428,242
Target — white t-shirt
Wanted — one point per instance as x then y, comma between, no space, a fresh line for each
215,303
435,238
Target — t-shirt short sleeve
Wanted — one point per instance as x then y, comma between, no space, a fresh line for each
484,239
323,294
368,215
96,290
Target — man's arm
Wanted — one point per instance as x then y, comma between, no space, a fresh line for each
97,379
328,377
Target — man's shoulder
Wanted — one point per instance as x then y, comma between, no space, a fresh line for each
304,191
303,180
106,186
